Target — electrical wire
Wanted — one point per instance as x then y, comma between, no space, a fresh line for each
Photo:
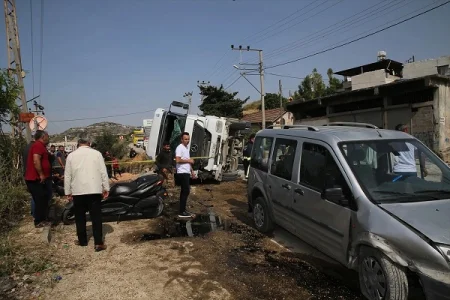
358,39
303,20
233,82
32,46
287,76
104,117
349,22
42,49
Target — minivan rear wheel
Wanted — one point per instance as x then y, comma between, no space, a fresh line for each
379,278
261,216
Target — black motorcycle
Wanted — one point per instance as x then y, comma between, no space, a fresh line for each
142,197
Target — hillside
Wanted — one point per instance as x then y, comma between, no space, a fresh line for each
251,107
91,131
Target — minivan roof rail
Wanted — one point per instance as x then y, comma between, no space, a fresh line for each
354,124
309,127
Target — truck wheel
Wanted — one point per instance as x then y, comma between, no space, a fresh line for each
261,216
379,278
68,217
232,176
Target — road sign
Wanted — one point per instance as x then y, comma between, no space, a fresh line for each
25,117
38,123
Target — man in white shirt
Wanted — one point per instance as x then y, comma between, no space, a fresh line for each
184,172
405,163
86,182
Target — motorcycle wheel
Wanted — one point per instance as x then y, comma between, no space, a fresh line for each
68,217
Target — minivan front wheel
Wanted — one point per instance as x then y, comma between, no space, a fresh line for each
379,278
261,216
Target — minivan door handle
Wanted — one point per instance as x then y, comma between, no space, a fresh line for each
299,191
286,186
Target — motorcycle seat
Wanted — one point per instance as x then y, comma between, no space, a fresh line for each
147,179
123,188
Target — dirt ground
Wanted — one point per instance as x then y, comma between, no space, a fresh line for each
158,259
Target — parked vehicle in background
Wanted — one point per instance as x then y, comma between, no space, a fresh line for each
334,187
217,142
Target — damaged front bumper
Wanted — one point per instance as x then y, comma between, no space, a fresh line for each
434,289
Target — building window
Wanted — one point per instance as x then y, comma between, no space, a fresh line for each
261,153
283,158
443,70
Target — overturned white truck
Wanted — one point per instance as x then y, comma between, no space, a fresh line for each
216,143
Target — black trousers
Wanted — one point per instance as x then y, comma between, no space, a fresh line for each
184,182
41,197
91,203
246,163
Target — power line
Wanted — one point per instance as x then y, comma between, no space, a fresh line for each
32,46
303,20
287,76
42,48
233,82
104,117
348,22
358,39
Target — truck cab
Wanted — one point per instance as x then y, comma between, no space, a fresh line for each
216,143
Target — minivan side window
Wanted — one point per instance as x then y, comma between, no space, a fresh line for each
319,171
283,158
261,153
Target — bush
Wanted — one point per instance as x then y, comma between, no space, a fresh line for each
14,196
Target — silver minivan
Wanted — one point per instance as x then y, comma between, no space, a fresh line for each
377,201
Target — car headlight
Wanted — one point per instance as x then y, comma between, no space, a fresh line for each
445,250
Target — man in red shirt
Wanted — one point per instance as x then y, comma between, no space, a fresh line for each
38,176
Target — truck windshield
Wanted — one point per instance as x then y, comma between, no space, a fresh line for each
397,170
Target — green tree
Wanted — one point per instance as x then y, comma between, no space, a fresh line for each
220,103
9,92
272,101
105,141
334,84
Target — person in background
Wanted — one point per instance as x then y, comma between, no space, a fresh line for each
86,183
405,163
108,162
132,153
60,160
116,167
25,153
184,173
247,153
38,176
164,161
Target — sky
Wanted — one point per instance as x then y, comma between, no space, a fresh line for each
126,58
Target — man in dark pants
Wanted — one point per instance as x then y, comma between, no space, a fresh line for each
25,153
164,161
38,177
86,182
184,173
247,153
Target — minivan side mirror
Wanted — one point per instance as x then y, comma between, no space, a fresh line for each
335,195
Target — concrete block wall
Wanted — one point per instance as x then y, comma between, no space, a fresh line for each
424,67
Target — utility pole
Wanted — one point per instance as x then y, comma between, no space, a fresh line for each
261,80
189,96
15,60
280,91
203,84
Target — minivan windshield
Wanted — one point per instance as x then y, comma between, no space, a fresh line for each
394,171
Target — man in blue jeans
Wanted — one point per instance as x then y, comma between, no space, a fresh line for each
184,173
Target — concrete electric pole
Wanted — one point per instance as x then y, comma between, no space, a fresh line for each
261,80
15,60
280,92
189,96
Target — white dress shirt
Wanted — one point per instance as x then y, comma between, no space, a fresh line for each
85,172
